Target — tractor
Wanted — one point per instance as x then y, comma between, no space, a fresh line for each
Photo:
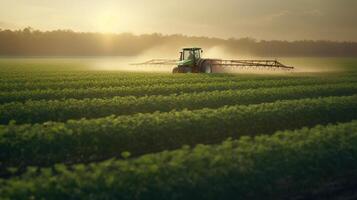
191,61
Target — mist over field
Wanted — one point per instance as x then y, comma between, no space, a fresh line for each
30,42
117,51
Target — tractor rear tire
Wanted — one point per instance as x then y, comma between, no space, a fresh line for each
205,66
208,69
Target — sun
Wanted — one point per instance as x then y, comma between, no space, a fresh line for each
107,23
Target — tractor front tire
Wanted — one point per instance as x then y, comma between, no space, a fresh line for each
175,70
182,70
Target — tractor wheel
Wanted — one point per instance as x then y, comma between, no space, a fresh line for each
205,66
208,69
175,70
184,70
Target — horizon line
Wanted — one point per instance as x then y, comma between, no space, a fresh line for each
168,35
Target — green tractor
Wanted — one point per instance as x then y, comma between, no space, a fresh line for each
192,62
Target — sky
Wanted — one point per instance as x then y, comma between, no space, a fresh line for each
260,19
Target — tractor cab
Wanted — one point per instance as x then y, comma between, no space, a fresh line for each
192,62
190,56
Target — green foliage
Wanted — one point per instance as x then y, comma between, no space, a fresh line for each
264,167
125,154
25,91
15,81
163,133
62,110
97,139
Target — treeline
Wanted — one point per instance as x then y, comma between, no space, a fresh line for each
29,42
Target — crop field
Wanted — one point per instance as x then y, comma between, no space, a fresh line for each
68,131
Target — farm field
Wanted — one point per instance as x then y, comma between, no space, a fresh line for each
71,131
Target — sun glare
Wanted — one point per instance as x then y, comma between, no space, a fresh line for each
108,22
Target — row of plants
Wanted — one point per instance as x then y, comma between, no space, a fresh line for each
76,76
62,110
286,165
112,75
169,79
82,76
49,76
158,89
91,140
128,82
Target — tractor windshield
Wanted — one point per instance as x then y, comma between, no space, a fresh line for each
191,54
197,54
187,55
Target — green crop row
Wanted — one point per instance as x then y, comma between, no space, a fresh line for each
98,139
52,94
282,166
56,110
82,76
119,76
50,76
128,82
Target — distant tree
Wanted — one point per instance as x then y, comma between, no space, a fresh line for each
31,42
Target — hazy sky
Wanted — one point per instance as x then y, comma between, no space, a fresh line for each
261,19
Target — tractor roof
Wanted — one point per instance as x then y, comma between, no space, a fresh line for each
192,49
